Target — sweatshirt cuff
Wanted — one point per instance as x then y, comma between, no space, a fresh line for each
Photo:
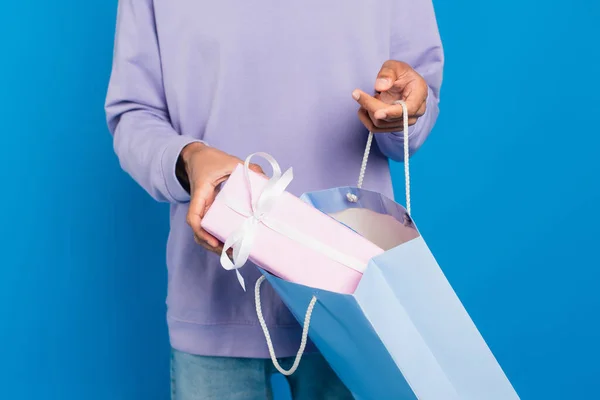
168,164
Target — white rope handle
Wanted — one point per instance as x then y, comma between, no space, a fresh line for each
265,329
352,198
361,176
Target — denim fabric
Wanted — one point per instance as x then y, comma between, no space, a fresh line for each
226,378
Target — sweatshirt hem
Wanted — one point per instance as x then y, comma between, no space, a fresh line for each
244,341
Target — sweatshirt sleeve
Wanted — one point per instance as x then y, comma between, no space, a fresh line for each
144,139
415,40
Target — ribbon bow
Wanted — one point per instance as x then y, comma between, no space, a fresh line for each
242,239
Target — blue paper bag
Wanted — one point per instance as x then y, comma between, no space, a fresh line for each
403,334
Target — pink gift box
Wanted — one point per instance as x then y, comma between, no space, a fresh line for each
285,257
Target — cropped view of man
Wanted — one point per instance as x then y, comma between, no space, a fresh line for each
197,85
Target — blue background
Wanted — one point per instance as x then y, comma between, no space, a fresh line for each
505,191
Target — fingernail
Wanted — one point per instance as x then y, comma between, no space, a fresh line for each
356,95
380,115
382,82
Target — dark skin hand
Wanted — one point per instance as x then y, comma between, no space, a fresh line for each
396,81
206,168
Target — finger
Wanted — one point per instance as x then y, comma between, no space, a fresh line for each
368,102
217,249
380,126
202,197
392,126
422,110
390,72
199,240
208,238
396,112
363,115
256,168
413,90
385,78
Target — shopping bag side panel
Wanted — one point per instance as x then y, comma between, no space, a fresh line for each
441,319
347,341
401,338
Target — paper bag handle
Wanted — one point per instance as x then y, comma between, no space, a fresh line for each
265,329
352,198
361,176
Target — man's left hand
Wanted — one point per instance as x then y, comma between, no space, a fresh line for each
396,81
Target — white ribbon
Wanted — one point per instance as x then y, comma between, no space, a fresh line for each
242,239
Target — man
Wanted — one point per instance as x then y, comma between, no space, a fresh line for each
197,85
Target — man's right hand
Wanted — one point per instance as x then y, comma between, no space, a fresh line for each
206,168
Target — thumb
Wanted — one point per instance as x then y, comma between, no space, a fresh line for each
385,79
391,71
388,74
256,168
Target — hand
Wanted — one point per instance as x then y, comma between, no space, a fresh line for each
396,81
206,168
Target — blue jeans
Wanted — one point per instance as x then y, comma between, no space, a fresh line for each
220,378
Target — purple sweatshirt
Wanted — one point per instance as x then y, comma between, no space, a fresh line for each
255,76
